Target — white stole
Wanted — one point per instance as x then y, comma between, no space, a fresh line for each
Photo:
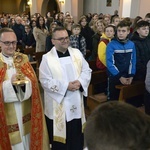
59,121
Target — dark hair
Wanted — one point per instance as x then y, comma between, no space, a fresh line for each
57,29
6,29
38,24
124,23
110,25
147,15
117,126
28,26
75,26
82,17
136,20
142,23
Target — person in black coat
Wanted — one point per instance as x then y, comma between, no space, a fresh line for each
49,44
142,44
19,30
28,40
87,33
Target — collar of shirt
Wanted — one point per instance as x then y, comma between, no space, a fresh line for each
6,56
61,54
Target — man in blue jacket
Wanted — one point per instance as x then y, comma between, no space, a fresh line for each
120,60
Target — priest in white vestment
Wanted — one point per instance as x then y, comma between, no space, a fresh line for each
22,125
65,76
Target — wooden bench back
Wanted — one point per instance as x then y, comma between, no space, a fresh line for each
128,91
29,51
92,65
98,77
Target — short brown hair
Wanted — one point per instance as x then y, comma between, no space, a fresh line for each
6,29
117,126
75,26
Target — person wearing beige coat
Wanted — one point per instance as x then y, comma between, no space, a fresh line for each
40,33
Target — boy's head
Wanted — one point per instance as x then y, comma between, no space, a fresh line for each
142,28
27,28
115,20
117,126
147,17
76,29
109,31
123,29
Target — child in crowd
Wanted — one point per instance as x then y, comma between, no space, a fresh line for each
115,20
28,40
87,33
106,37
120,60
142,44
77,40
98,29
49,43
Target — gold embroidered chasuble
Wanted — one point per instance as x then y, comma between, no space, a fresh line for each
32,114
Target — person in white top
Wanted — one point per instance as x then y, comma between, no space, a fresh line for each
20,114
65,75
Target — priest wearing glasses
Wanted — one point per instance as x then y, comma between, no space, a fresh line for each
22,124
65,76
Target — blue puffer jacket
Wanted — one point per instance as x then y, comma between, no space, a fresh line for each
121,58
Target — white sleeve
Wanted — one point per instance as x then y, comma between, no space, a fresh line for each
9,92
85,76
11,96
54,88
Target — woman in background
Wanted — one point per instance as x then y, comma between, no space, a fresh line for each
40,33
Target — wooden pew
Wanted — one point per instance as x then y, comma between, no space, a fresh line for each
29,51
128,91
92,65
94,99
31,54
38,58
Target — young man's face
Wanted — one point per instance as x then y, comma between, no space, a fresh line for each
122,32
61,40
143,31
116,21
109,32
76,31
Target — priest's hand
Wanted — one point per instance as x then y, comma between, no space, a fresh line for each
77,84
73,86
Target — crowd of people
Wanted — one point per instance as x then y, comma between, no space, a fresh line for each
119,45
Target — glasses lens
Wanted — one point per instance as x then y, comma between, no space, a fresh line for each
7,43
14,42
63,39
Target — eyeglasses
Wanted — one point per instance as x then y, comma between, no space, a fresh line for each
7,43
62,39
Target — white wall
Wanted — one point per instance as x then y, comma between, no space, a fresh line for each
144,7
138,7
126,8
99,6
135,6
